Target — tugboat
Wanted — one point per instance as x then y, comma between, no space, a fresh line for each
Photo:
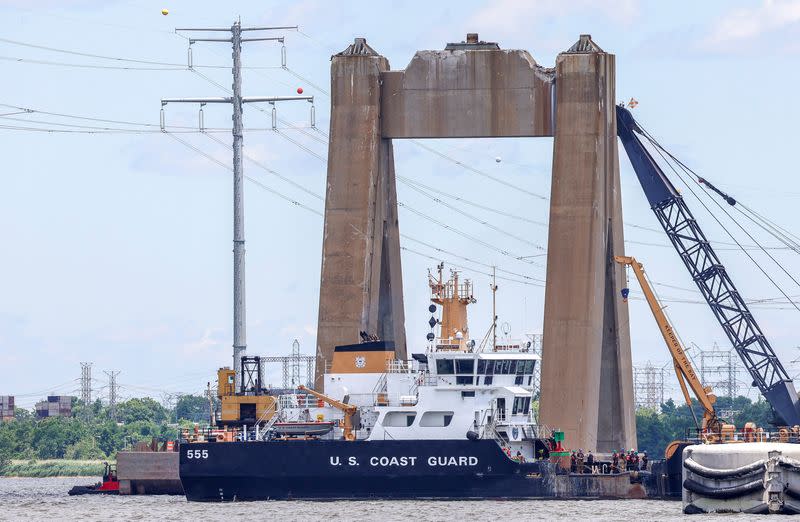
109,485
453,422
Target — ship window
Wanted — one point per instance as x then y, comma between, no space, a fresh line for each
399,419
465,366
436,419
488,379
521,366
444,366
464,379
481,366
521,405
529,366
518,379
512,367
498,368
470,393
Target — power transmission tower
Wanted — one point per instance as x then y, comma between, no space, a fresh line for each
648,387
86,389
719,369
237,100
536,347
112,393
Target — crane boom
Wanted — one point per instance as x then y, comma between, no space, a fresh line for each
710,276
683,367
348,409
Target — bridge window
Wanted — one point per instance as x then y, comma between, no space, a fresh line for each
464,379
465,366
399,419
444,366
436,419
529,365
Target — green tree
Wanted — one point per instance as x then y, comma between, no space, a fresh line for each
85,449
144,409
193,408
52,435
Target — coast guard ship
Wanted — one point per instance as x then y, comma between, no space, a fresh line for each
453,422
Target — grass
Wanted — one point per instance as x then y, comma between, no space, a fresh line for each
53,468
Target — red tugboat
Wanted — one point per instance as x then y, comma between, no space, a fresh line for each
109,485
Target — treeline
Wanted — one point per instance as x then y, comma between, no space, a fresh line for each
101,437
655,430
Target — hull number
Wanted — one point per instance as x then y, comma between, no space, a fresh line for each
197,454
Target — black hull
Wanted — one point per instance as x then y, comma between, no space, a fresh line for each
355,470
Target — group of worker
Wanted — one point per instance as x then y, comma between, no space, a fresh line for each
620,461
630,461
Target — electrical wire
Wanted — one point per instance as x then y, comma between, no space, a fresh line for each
664,154
249,178
119,59
485,223
273,172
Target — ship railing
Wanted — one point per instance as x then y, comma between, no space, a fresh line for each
397,366
382,399
728,433
382,385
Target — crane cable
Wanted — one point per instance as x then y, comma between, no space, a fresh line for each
664,155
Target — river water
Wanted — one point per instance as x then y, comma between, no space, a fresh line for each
31,499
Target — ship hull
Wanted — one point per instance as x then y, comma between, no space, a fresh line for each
355,470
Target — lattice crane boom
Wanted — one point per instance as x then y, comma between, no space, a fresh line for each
710,276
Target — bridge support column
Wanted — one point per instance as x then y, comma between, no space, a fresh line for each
361,281
587,387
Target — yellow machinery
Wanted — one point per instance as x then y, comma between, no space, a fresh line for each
683,367
349,411
241,408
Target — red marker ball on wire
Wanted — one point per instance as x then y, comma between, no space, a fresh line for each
299,90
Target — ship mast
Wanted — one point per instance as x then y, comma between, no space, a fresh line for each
453,295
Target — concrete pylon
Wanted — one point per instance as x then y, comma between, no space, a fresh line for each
586,387
361,281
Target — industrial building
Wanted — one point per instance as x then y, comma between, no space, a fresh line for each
6,407
54,406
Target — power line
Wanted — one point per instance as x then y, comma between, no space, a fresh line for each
176,66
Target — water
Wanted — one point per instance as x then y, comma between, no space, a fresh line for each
46,499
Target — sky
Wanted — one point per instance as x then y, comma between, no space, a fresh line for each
116,246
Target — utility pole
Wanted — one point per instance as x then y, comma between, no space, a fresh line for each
86,389
112,393
494,308
210,404
237,100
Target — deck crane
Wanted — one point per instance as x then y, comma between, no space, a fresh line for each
710,276
350,411
683,366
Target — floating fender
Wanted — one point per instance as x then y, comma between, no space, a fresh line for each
723,492
789,463
792,492
720,474
691,509
473,435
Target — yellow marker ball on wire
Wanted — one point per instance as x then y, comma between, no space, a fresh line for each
165,12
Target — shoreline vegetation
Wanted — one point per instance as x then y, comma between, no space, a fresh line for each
52,468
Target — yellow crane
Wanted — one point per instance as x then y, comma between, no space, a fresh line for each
349,411
683,367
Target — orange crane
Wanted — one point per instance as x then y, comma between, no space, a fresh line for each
349,411
683,367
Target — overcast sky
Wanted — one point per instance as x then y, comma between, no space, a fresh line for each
116,247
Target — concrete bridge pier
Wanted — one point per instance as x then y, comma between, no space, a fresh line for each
587,387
